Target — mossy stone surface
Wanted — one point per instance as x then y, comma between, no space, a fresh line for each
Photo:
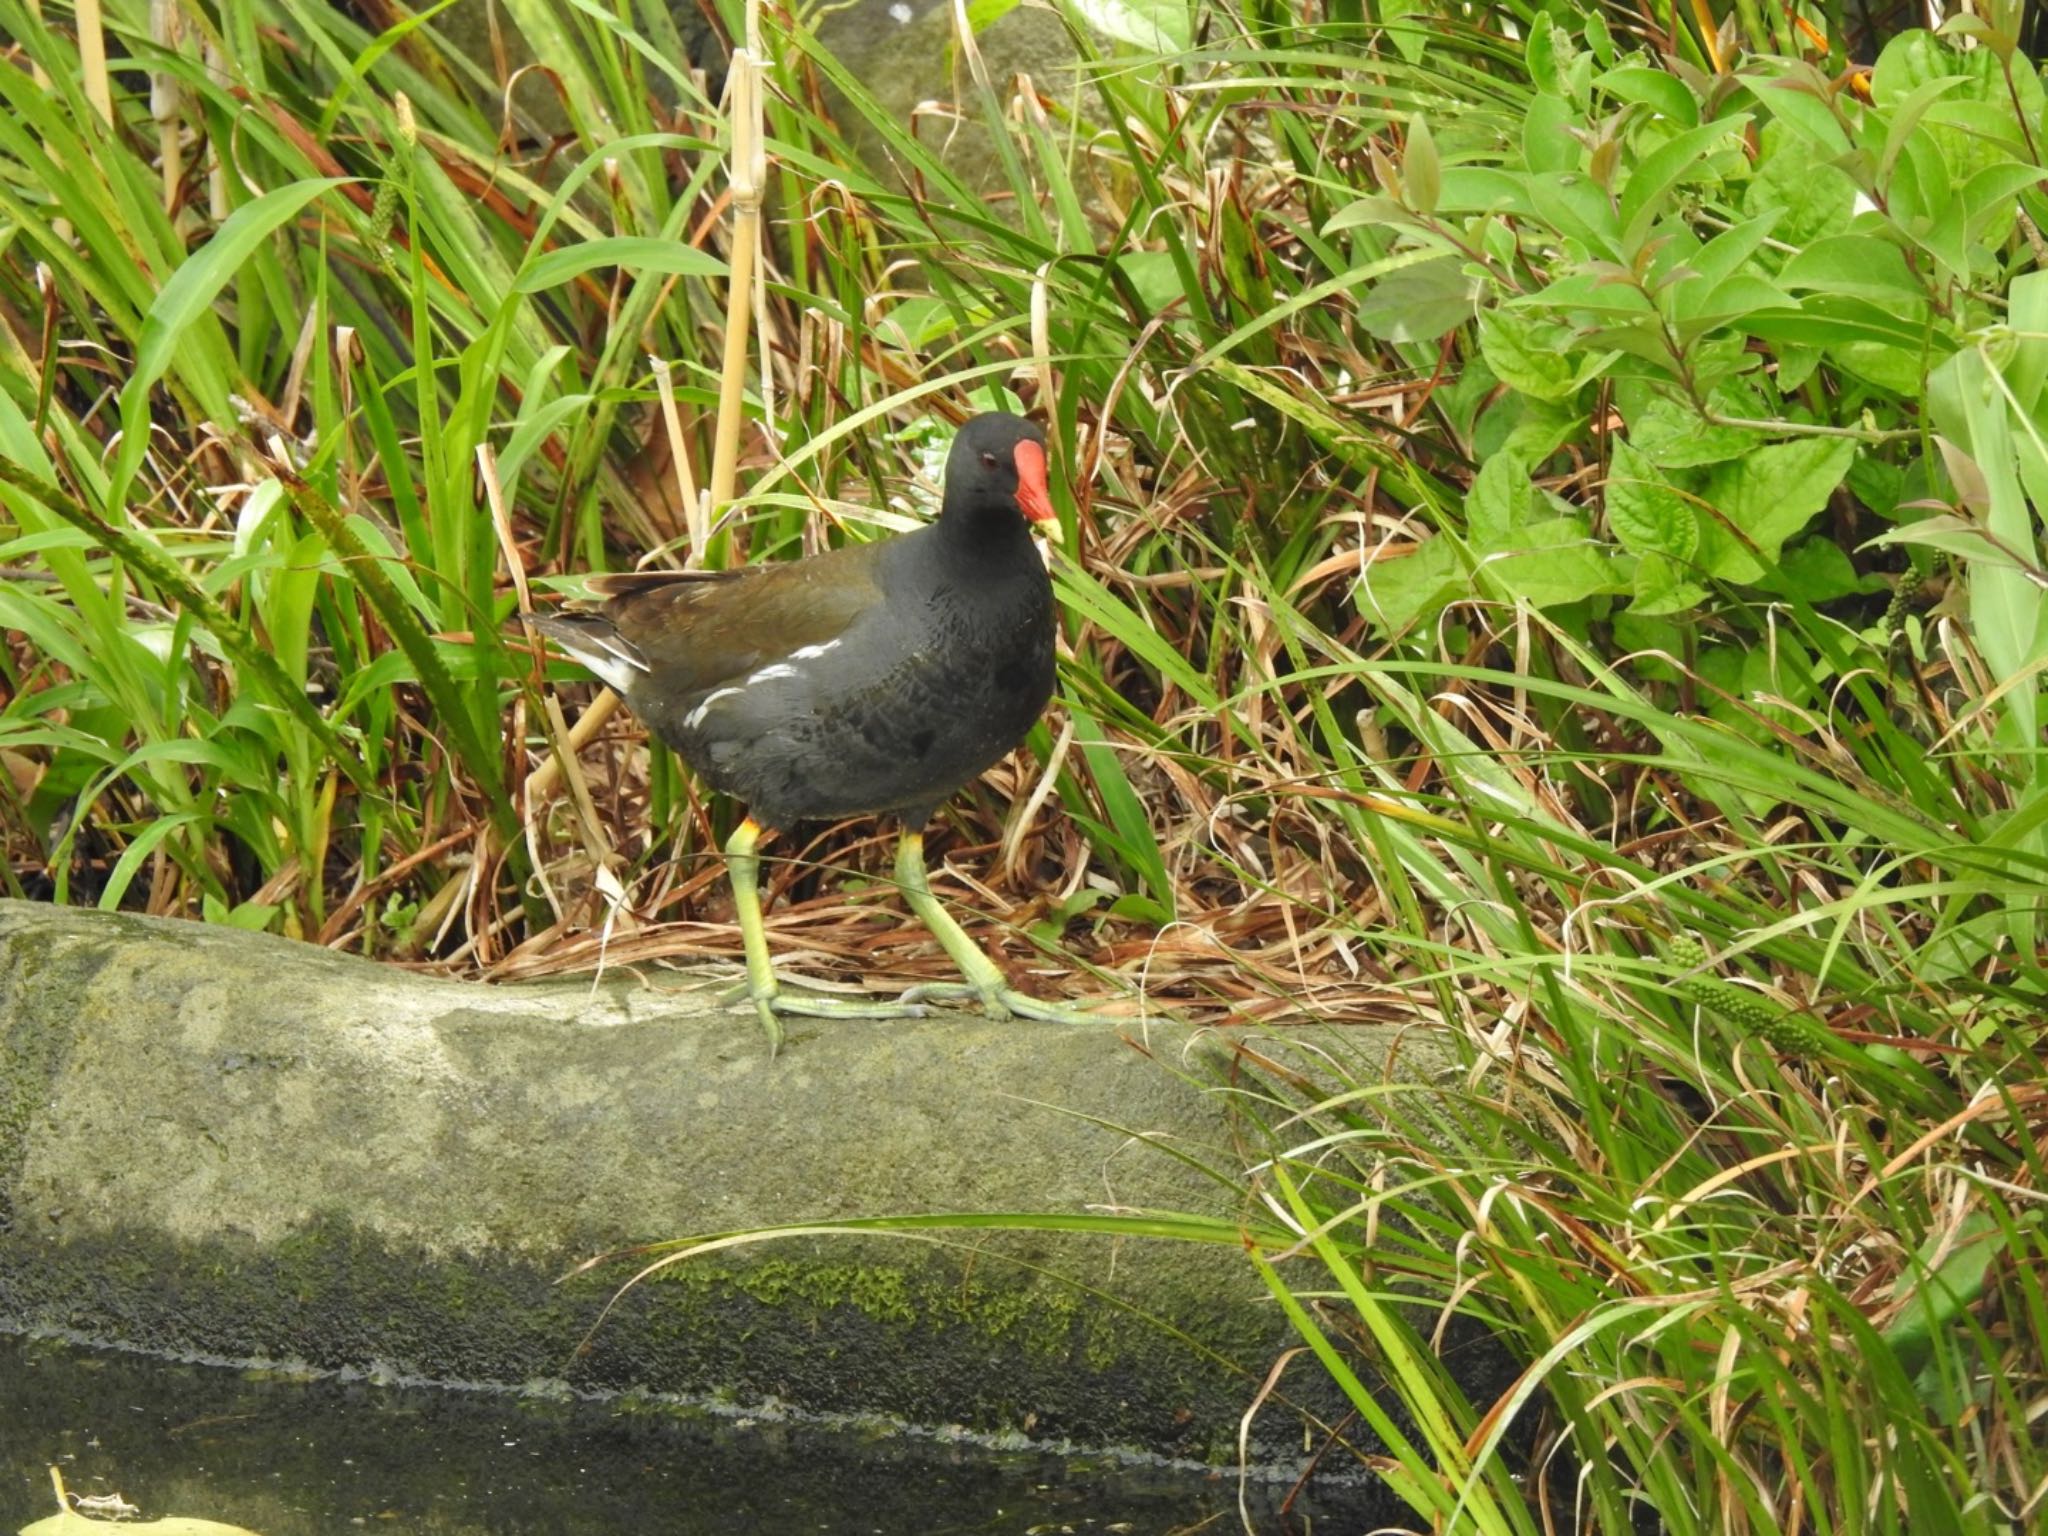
222,1144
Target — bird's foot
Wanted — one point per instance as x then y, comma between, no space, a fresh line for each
998,1002
771,1004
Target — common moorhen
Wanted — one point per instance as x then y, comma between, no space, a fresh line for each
875,678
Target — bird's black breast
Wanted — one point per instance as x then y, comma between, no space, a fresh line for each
926,690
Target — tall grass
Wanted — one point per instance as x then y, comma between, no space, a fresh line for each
1723,880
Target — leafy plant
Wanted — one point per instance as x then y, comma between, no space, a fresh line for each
1557,566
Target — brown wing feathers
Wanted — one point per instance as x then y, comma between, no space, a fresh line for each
701,629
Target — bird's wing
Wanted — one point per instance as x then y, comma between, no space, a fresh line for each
700,630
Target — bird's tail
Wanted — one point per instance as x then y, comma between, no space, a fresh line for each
593,640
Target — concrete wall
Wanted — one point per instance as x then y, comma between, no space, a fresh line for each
235,1146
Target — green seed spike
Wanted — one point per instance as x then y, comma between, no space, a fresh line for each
1793,1033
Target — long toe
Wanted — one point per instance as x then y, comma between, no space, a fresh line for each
999,1002
989,999
773,1005
809,1005
1025,1006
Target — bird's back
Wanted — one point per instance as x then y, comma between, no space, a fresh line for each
878,678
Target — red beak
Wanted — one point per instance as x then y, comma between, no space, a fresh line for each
1033,493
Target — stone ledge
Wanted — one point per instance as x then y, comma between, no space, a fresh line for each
229,1145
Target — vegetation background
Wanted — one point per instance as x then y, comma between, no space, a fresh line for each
1556,560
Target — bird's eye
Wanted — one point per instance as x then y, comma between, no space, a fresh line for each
989,461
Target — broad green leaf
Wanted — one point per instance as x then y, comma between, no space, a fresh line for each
1905,118
1896,369
1672,435
1659,90
1661,585
1419,303
2025,370
1817,571
1975,136
1371,212
1923,205
1803,110
1552,561
1647,339
1988,198
1648,514
1964,537
1397,594
2008,610
1915,57
1860,265
1590,297
1879,484
1832,319
1412,38
1576,206
1811,197
1159,25
1598,37
1421,171
1688,157
1526,546
1547,142
1155,279
1535,429
1946,1276
1503,500
1483,189
1724,255
1716,360
1527,353
1548,53
1698,309
1796,364
1762,499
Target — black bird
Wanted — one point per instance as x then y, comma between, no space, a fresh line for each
877,678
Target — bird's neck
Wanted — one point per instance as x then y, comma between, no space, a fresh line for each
982,534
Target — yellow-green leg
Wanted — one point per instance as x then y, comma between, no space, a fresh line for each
743,868
986,983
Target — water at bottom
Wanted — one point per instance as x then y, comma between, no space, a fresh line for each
285,1456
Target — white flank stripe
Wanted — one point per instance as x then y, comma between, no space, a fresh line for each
695,717
769,674
813,652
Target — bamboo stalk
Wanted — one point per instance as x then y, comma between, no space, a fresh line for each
748,176
695,515
92,58
540,784
167,29
36,72
748,173
216,171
